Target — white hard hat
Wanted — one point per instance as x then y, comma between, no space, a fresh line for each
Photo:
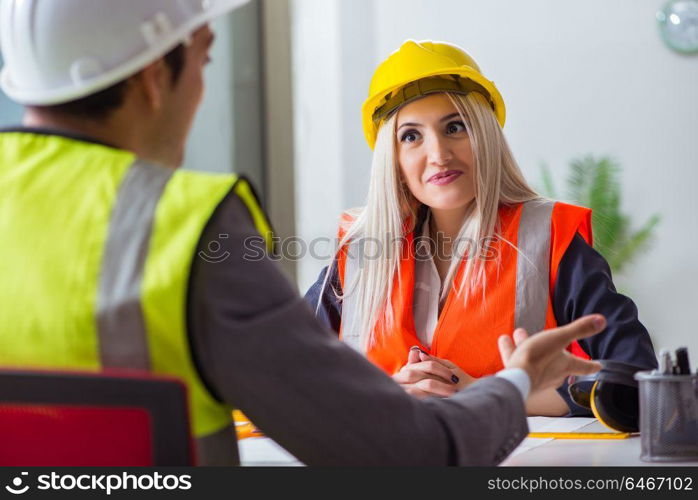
57,51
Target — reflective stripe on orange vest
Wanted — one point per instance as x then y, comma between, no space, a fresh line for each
519,288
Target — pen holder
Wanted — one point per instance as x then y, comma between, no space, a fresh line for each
668,417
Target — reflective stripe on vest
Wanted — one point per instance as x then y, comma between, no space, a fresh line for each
121,324
123,338
533,265
350,322
517,294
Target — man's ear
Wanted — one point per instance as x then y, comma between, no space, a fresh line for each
152,81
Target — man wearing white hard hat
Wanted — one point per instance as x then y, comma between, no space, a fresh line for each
103,263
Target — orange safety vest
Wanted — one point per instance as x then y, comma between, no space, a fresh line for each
519,291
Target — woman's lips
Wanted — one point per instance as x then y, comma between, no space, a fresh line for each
443,178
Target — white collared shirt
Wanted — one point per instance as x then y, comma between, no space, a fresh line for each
427,290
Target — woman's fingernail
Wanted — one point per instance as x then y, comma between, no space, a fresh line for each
599,322
415,348
454,379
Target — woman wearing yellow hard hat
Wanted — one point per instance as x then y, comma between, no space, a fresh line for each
453,247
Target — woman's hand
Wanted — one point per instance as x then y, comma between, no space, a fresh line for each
461,380
426,376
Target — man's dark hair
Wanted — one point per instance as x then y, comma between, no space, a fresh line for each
100,104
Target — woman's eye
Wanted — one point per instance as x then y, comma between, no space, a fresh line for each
455,127
410,136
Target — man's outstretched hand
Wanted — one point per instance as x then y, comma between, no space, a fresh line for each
543,355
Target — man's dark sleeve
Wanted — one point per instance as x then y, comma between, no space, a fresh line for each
584,286
259,348
329,309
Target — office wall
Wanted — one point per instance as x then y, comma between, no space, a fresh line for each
577,78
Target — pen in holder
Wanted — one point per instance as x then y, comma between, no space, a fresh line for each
668,417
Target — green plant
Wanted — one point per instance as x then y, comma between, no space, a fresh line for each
594,183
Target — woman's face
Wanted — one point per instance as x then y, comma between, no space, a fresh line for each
434,153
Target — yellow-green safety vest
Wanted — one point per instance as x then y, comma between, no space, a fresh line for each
97,247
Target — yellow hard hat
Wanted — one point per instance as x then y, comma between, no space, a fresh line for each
420,68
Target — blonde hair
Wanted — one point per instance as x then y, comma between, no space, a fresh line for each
497,179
